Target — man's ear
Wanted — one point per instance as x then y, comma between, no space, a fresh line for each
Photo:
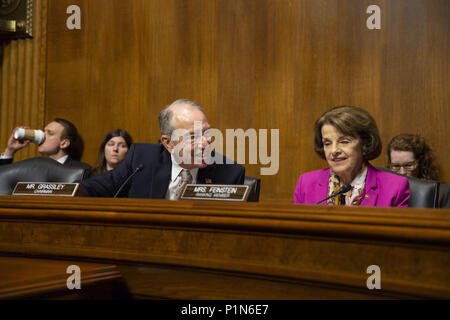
65,143
165,141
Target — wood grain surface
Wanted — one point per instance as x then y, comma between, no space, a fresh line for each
280,249
23,71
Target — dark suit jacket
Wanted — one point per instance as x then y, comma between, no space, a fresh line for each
69,162
153,181
75,163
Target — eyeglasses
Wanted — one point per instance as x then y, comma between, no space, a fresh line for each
408,166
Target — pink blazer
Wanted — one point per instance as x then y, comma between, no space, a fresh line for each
383,189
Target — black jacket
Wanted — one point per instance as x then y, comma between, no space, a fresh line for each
153,181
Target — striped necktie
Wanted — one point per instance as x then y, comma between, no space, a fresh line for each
186,178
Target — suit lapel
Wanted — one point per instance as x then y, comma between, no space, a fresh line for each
370,194
204,175
161,176
321,191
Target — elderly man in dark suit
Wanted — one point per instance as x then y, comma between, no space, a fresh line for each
60,138
168,166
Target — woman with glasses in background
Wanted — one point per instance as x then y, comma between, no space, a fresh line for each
409,155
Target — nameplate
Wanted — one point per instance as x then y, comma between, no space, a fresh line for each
45,189
227,192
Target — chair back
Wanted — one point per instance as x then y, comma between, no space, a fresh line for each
444,196
424,193
37,170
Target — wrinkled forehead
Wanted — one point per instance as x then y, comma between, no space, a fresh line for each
330,131
186,117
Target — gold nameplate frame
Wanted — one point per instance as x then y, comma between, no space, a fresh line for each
222,192
61,189
16,19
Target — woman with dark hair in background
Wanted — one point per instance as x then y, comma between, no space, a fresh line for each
113,150
347,138
410,155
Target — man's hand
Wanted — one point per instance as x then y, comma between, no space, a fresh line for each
15,145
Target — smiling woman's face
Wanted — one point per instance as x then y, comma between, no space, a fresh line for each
343,153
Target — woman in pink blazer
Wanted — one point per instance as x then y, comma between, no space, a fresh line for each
347,138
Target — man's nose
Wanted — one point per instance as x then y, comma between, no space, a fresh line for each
205,141
402,171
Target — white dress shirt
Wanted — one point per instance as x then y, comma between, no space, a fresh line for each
358,185
62,160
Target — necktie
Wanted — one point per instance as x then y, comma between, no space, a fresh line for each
186,178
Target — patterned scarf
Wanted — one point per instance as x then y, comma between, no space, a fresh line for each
352,197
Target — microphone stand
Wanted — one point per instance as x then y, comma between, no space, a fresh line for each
344,189
138,169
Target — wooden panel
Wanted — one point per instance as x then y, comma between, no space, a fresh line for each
156,282
262,64
31,278
279,248
22,81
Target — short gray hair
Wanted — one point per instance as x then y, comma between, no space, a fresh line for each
165,116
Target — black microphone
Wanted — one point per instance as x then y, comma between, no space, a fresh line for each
138,169
344,189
